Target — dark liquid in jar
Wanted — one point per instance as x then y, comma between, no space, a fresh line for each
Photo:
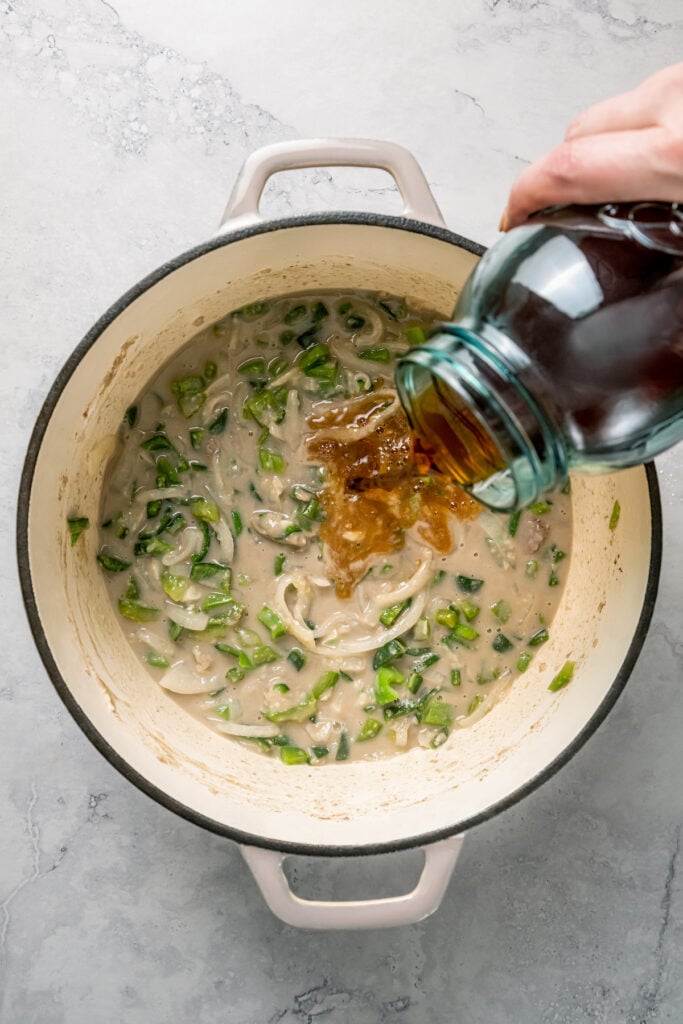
458,443
608,342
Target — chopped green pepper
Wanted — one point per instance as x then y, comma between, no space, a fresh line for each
152,546
270,461
464,632
77,524
615,516
196,437
447,617
297,658
243,659
237,524
469,584
132,609
539,637
325,683
298,713
205,530
513,522
375,355
264,655
294,314
423,659
156,660
390,651
436,712
206,510
293,755
217,599
371,727
342,747
414,682
563,677
387,677
272,621
502,610
415,335
541,508
468,608
218,425
190,394
158,443
266,407
166,475
174,586
111,563
389,616
210,570
253,367
475,702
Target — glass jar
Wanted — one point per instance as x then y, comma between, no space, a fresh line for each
565,353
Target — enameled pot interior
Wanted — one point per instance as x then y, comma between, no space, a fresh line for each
337,808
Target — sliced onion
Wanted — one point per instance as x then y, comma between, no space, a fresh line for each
371,642
349,434
225,540
156,642
288,377
187,617
294,620
159,493
357,382
271,488
181,679
188,545
289,430
265,731
409,587
226,392
401,727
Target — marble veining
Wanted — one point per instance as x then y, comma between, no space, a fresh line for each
123,126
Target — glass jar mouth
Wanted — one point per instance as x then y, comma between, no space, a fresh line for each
477,420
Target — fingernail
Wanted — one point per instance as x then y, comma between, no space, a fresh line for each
503,226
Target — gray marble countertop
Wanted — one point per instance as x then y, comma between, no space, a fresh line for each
123,126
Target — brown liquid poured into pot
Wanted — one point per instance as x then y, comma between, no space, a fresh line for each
379,483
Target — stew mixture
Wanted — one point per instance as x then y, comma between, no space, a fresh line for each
289,564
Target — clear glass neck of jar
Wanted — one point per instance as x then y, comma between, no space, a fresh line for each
471,409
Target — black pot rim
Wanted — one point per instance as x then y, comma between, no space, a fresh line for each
82,720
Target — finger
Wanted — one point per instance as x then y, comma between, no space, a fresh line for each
639,108
617,166
625,112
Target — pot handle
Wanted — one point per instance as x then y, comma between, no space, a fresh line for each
425,898
243,204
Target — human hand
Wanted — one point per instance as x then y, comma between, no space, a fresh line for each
626,148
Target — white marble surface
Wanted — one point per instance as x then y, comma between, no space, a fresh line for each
123,124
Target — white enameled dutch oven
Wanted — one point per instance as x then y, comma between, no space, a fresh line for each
271,809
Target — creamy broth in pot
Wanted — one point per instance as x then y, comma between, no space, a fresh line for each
287,561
